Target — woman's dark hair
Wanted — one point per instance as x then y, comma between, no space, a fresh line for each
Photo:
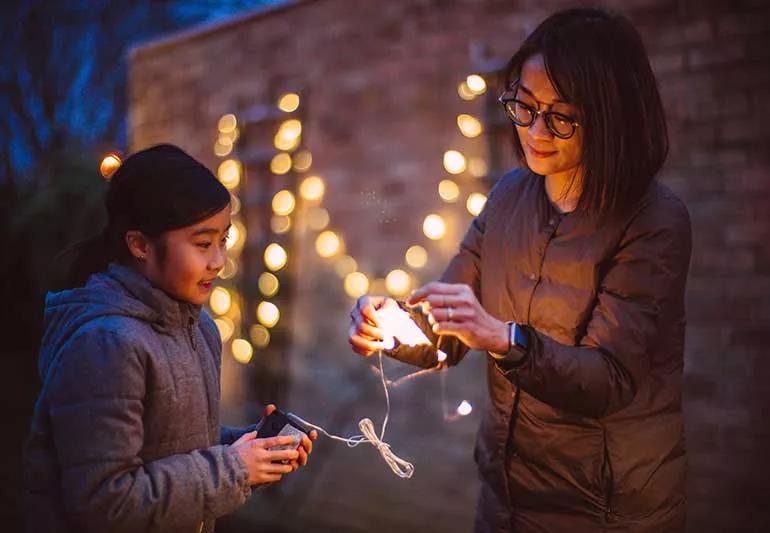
154,191
597,62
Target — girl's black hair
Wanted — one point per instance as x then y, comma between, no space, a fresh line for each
154,191
597,62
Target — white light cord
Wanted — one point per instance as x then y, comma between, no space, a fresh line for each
400,467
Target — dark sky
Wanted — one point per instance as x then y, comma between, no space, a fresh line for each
63,71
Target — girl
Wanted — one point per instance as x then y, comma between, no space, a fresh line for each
572,280
125,435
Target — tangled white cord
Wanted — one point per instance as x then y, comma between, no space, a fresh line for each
400,467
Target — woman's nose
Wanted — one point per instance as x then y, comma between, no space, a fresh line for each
538,129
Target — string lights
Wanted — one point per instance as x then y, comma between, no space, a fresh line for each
329,244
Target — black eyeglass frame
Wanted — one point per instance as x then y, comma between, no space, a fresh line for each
547,115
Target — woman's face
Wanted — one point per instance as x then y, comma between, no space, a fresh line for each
546,154
191,258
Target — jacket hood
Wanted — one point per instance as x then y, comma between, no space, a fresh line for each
118,291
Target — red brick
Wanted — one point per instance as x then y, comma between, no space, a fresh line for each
714,55
743,24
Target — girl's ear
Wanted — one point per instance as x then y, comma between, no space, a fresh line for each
138,244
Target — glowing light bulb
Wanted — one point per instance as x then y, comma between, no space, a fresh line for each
275,257
469,125
229,173
227,123
235,205
356,284
283,202
434,227
229,270
280,164
242,350
398,282
222,149
288,135
345,265
317,218
268,284
280,224
476,84
268,314
448,190
454,162
220,300
397,324
475,203
465,92
302,160
416,256
260,335
109,165
235,236
312,188
465,408
226,327
288,102
328,244
477,166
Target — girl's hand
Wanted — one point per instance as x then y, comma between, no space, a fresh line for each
306,446
365,335
304,450
456,311
264,465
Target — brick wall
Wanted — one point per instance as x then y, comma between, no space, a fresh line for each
379,103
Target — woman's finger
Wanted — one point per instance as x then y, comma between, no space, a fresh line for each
442,300
456,329
434,287
363,346
451,314
368,331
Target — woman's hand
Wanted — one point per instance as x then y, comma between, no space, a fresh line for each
264,465
456,311
365,335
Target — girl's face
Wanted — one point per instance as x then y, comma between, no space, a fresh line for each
546,154
186,261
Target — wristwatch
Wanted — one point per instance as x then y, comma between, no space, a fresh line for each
518,343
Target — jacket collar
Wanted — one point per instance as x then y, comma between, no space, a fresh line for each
170,313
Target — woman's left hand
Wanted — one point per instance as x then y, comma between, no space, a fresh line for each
457,312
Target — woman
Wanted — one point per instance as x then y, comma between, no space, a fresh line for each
125,434
572,280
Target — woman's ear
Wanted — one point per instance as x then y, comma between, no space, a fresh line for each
138,245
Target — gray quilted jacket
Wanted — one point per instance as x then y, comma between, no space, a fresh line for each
125,435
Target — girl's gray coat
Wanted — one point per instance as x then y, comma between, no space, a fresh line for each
125,435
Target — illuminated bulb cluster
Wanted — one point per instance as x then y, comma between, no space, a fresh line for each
110,163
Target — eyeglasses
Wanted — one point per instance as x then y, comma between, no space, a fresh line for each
522,114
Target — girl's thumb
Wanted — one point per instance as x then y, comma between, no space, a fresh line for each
251,435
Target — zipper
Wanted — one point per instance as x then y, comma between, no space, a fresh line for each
190,334
607,480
